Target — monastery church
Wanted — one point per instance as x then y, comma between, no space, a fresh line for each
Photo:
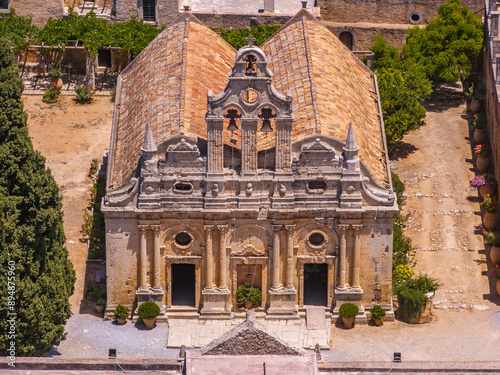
263,165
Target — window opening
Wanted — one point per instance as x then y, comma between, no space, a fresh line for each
183,187
316,239
183,238
149,10
316,185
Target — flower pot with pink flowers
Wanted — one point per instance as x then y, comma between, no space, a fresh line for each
482,152
485,184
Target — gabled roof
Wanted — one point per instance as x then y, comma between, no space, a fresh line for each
167,86
330,88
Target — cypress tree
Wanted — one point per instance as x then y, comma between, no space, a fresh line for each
31,231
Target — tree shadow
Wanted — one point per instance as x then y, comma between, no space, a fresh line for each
402,150
444,96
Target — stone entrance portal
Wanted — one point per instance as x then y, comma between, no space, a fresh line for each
316,284
183,285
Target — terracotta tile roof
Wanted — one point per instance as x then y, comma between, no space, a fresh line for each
167,86
330,88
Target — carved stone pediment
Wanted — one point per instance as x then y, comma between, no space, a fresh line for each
317,154
248,250
183,154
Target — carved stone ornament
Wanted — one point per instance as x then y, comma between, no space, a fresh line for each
249,189
351,189
249,249
215,190
150,190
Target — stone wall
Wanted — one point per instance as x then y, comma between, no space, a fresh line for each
384,11
166,10
39,12
491,79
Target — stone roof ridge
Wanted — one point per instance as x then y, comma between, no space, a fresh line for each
247,338
149,142
350,143
299,16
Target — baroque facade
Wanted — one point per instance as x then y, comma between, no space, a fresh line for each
264,165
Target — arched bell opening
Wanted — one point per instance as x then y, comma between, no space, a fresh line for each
267,133
232,132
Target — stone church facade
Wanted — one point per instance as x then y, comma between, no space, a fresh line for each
264,165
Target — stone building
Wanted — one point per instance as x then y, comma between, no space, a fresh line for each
264,165
40,13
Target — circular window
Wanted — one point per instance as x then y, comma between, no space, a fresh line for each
250,96
316,239
415,18
183,239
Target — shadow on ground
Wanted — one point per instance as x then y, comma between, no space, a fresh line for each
444,96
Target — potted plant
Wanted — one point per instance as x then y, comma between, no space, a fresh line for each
121,314
148,311
248,295
496,273
479,122
377,314
51,95
486,185
348,312
84,94
55,75
489,205
413,296
482,151
494,241
99,305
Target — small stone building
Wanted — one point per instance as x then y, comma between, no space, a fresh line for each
264,165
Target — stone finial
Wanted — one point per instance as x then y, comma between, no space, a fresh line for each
350,143
251,316
149,142
250,40
304,4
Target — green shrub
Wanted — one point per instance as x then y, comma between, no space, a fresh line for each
84,94
121,312
348,310
148,310
100,302
51,94
55,72
377,312
401,272
95,292
245,291
412,296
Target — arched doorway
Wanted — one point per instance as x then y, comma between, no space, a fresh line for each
347,38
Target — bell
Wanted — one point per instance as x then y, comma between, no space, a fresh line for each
266,126
232,125
233,139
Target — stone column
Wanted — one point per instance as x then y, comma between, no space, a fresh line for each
209,257
276,257
283,145
157,258
222,257
289,257
343,255
143,258
356,256
248,146
215,146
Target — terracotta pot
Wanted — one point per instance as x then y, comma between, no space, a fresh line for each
149,323
348,322
59,84
498,287
486,189
482,163
490,220
495,255
379,322
479,136
121,321
475,105
99,308
248,304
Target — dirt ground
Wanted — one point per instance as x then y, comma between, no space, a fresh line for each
69,135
